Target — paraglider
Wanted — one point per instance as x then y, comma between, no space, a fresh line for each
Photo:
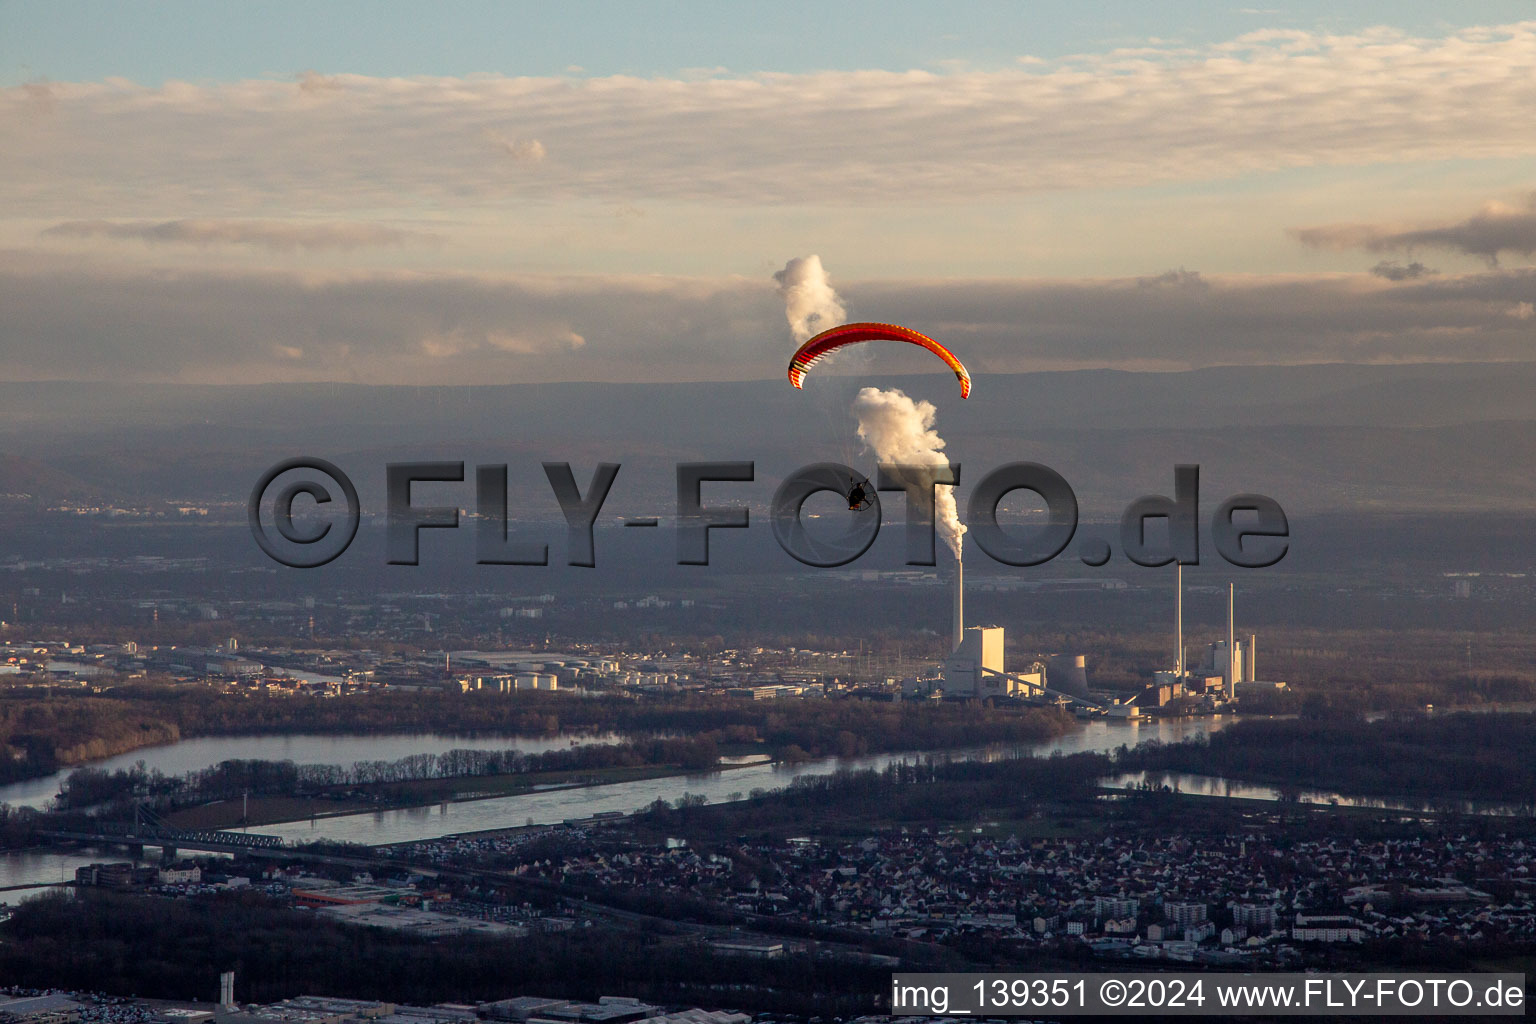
850,334
858,497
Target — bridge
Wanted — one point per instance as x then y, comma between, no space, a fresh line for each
149,829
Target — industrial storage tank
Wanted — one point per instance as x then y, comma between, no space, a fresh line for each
1068,673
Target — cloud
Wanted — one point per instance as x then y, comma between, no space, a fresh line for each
67,318
38,94
1233,319
1186,280
557,339
314,82
281,236
1497,228
1394,271
1260,103
71,319
525,151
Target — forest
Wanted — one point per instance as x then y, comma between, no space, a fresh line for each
44,734
1054,795
1467,755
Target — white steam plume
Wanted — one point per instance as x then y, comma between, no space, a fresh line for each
809,301
899,430
896,428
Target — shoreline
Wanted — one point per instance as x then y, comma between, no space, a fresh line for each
474,788
639,773
62,770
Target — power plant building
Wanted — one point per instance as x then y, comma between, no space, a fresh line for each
1227,670
1216,662
976,671
979,652
1068,673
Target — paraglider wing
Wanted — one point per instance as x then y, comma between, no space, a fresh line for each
851,334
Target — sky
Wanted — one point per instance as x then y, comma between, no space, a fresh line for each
209,192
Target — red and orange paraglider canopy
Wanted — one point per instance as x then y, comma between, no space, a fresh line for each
852,334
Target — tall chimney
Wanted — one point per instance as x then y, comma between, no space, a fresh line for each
1231,648
1253,656
1178,618
959,593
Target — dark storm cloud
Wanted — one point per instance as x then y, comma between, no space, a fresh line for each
1391,270
91,322
1234,319
1496,229
64,320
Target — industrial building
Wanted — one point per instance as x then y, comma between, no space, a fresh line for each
1227,671
49,1008
976,669
507,682
1068,673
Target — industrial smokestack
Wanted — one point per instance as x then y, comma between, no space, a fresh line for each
959,593
1253,653
900,431
1178,618
1231,648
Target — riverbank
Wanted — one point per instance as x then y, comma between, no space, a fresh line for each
1423,759
790,729
375,827
226,814
341,749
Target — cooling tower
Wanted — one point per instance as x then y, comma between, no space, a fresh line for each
1068,673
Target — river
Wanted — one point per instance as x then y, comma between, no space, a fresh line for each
1215,785
547,807
207,751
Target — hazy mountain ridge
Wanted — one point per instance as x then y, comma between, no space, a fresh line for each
1329,436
